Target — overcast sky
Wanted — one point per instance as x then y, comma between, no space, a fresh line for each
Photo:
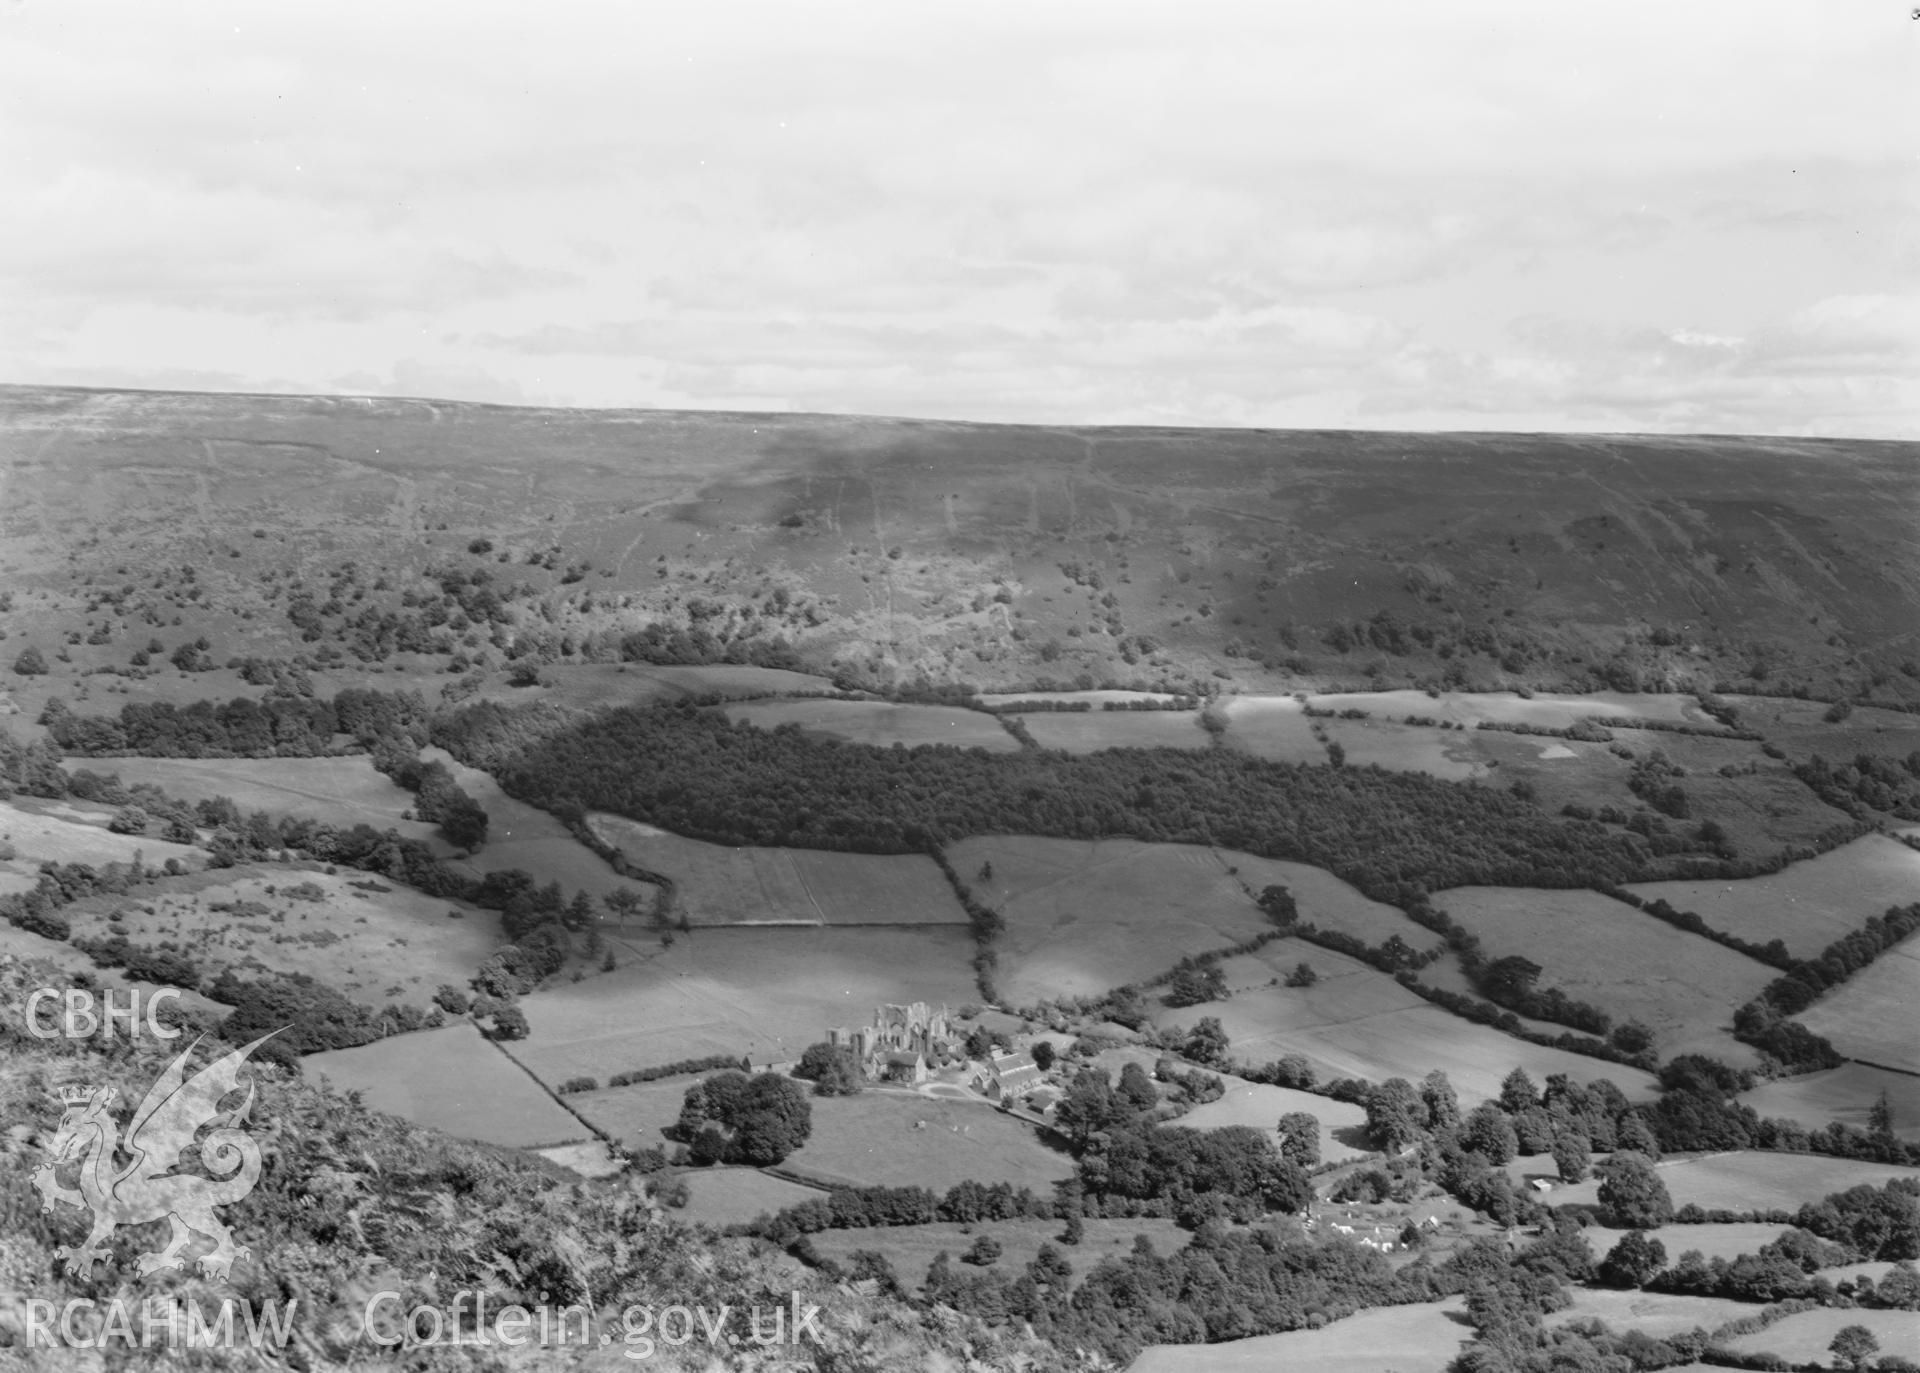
1679,215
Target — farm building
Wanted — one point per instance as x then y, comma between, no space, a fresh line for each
1008,1077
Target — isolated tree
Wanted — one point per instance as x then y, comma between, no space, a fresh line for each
1880,1118
1635,1259
1853,1345
1279,905
1300,1138
986,1250
623,903
1302,975
1195,983
1633,1193
1137,1088
1631,1037
30,663
1570,1154
510,1022
1207,1042
1043,1053
128,820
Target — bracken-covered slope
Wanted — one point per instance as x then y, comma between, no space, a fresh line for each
991,554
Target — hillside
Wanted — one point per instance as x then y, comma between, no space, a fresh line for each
884,549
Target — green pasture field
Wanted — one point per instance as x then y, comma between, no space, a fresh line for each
1871,1016
1095,699
1262,1016
1342,1123
377,947
341,791
881,723
1808,904
884,1137
715,884
526,837
1326,900
1090,731
1803,1338
1750,1180
635,1115
1650,1313
1084,916
1418,1338
1801,728
597,686
1547,710
768,993
911,1249
451,1079
1447,754
1632,966
1724,1240
1272,727
733,1196
1845,1094
42,831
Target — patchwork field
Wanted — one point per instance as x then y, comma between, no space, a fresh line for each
384,946
1631,965
1808,904
591,686
1447,754
524,836
1410,1043
1327,901
1271,727
718,885
733,1196
1086,916
54,832
635,1115
881,723
900,1139
1421,1338
1751,1181
341,791
1803,1338
1261,1105
911,1249
452,1079
1875,1014
1092,730
1846,1094
1262,1019
1547,710
1714,1241
1096,699
1802,729
1650,1313
764,992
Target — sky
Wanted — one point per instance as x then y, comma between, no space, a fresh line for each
1662,216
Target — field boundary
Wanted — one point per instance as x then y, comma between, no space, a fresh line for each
593,1131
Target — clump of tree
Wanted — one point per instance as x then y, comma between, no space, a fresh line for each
735,1118
831,1068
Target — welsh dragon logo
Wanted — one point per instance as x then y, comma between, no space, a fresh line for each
175,1110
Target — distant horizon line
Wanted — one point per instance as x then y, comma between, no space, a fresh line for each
721,412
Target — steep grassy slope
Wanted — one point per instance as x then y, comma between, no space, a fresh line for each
993,554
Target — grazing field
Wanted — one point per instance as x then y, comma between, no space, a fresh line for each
1089,731
342,791
881,723
1084,916
1650,1313
733,1196
1728,1240
1410,1043
764,992
1802,729
589,1158
19,943
1271,727
1845,1094
1095,699
1449,755
718,885
1803,1338
1624,961
911,1249
1808,904
54,832
452,1079
1418,1338
524,836
1872,1015
1262,1019
1750,1180
1261,1105
1546,710
594,686
637,1115
388,946
1327,901
901,1139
